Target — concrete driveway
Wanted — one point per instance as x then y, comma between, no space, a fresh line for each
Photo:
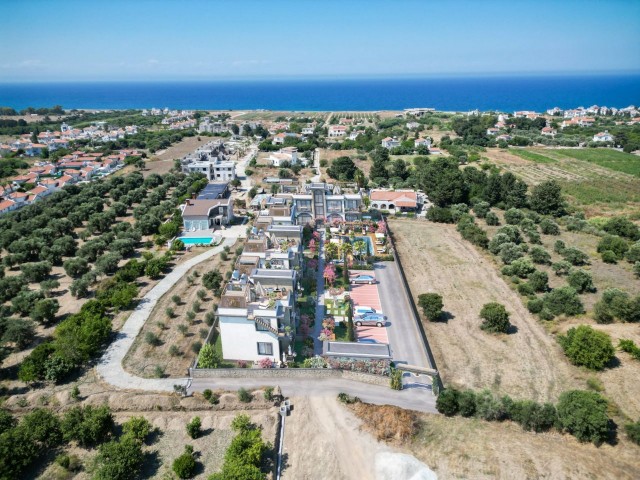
404,336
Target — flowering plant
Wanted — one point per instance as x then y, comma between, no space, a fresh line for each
265,363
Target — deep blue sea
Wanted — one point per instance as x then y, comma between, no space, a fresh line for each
450,94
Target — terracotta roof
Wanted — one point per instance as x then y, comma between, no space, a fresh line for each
4,204
400,198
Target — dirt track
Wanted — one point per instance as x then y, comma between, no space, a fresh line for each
527,364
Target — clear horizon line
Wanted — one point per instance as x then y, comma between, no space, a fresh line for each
405,76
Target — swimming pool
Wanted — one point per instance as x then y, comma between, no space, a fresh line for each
367,241
195,240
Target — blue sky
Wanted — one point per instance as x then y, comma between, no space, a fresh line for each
51,40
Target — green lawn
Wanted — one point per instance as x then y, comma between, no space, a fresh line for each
606,157
339,310
534,157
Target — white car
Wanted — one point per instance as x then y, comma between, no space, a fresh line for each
362,310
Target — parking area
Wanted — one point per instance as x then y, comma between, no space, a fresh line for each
367,295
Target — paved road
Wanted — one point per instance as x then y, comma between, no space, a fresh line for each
110,365
413,398
404,336
317,326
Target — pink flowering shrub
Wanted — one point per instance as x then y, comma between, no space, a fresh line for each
329,274
312,245
265,363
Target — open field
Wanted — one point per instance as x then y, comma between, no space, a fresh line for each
595,188
143,358
162,161
469,448
525,364
605,157
270,115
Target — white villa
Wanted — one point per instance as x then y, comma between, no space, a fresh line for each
287,154
336,131
210,160
603,137
390,142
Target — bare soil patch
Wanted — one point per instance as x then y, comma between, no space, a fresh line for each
527,363
163,162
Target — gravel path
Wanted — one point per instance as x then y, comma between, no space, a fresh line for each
110,365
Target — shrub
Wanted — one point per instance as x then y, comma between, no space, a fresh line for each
169,312
521,267
496,318
546,198
510,252
633,254
549,227
535,305
268,394
584,415
513,216
185,465
137,427
194,427
195,347
622,227
540,256
119,460
539,281
152,339
615,244
533,416
395,379
208,357
561,268
174,351
511,231
212,280
525,289
633,431
492,219
609,257
176,299
244,395
431,304
618,304
75,393
575,256
481,209
440,214
559,246
490,408
447,402
87,425
630,347
581,281
209,318
587,347
563,300
497,241
467,403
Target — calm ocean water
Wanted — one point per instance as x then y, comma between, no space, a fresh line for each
460,93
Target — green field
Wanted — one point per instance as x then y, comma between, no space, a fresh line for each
528,155
604,157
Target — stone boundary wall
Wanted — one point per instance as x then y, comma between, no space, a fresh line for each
302,373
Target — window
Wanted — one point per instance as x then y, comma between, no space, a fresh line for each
265,348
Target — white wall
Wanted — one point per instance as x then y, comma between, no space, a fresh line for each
240,338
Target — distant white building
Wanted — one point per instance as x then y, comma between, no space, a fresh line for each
603,137
412,125
422,142
210,160
287,154
390,143
336,131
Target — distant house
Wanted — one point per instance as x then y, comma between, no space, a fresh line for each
391,200
548,131
412,125
503,137
206,214
422,142
279,138
7,206
603,137
492,131
287,154
353,135
390,143
336,131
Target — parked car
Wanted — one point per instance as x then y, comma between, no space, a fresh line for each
363,279
362,310
370,319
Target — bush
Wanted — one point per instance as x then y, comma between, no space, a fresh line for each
540,256
137,427
533,416
244,395
268,394
119,460
622,227
633,254
174,351
194,427
563,300
492,219
208,357
185,465
561,268
467,403
447,402
496,318
618,304
584,415
440,214
581,281
481,209
513,216
559,246
490,408
587,347
615,244
395,378
152,339
526,289
633,431
431,304
87,425
535,305
212,280
510,252
539,281
575,256
549,227
521,267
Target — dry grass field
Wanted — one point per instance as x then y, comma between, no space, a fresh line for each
525,364
469,448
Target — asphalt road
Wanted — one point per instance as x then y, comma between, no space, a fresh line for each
404,336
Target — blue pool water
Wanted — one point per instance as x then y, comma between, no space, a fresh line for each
195,240
367,241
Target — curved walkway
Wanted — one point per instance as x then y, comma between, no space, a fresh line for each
110,365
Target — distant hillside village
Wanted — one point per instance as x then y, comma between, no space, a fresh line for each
82,146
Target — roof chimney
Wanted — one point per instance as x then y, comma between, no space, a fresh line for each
193,196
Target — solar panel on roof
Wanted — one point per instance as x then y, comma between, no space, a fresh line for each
213,191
